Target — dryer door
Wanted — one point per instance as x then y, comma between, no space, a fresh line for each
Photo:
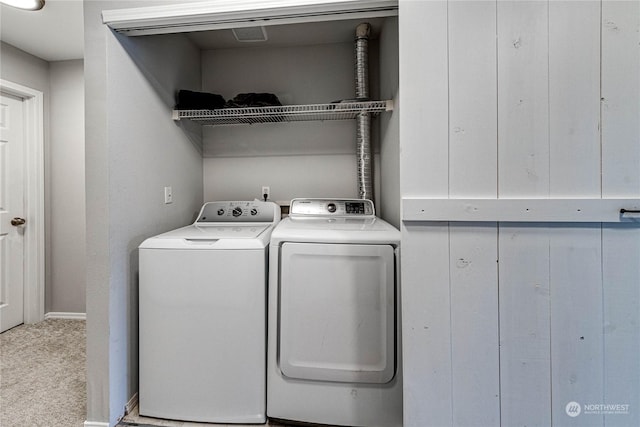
337,312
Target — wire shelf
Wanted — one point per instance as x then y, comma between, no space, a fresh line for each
284,113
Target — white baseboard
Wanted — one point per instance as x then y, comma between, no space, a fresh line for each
63,315
132,403
95,424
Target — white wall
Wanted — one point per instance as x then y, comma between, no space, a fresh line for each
506,323
133,150
241,178
297,74
295,159
389,132
307,159
65,292
20,67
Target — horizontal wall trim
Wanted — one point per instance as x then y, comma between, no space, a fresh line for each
95,424
63,315
520,210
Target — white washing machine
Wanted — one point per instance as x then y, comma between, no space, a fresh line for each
334,321
202,301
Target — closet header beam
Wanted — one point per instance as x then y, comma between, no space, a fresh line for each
225,14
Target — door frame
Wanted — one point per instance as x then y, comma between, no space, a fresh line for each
34,273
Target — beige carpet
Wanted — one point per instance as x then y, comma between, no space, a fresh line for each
42,374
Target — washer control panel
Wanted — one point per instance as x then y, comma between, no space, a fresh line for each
238,211
332,207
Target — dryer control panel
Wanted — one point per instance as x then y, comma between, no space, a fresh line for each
238,211
332,207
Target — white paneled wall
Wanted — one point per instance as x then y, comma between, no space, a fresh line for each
574,98
523,98
620,157
506,323
472,99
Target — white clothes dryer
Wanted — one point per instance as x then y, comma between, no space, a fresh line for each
202,328
334,319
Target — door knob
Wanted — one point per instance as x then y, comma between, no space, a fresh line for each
18,221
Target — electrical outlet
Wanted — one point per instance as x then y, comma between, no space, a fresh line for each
168,195
266,193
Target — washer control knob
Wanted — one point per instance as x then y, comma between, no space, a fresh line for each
220,211
237,211
254,212
331,207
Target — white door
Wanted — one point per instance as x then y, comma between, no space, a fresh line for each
520,323
11,212
337,312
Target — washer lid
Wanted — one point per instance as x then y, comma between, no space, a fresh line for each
214,236
216,231
335,230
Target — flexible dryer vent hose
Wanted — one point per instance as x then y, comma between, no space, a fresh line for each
363,121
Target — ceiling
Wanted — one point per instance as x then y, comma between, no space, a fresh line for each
55,33
339,31
59,32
